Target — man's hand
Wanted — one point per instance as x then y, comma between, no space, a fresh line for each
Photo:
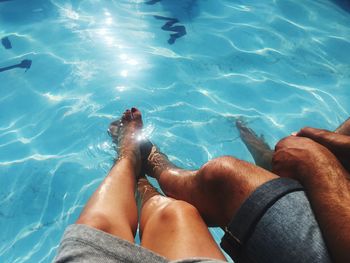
303,159
337,143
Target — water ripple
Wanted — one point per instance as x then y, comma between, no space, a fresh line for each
280,65
36,157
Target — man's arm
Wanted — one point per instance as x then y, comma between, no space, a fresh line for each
328,190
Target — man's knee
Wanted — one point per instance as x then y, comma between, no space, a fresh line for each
230,180
228,171
219,171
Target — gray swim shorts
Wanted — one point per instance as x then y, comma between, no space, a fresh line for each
276,224
82,243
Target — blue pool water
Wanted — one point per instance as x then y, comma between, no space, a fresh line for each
280,64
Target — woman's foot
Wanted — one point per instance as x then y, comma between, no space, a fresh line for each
126,134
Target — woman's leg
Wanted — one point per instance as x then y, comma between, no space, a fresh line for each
112,208
173,229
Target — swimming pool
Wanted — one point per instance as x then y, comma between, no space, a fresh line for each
279,64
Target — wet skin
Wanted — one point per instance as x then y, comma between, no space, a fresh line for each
171,228
337,142
220,186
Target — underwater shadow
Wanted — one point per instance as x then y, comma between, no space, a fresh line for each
183,10
344,4
5,41
179,11
19,12
26,63
179,30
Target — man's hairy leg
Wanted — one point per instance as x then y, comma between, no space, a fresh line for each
256,145
217,189
344,128
328,190
261,151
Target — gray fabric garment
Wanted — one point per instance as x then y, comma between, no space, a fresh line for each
81,243
288,233
276,224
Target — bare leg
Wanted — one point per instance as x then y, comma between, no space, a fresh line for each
324,180
217,189
112,208
173,229
344,128
259,149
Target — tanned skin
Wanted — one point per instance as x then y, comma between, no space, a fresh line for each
314,158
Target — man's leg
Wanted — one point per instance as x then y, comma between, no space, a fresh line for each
112,208
258,148
325,182
261,151
172,228
255,207
344,128
217,189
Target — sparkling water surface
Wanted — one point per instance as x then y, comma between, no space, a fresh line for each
280,65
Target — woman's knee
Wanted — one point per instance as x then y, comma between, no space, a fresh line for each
119,227
95,220
175,212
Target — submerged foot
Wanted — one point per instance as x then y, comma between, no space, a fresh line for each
155,162
126,134
256,145
344,128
